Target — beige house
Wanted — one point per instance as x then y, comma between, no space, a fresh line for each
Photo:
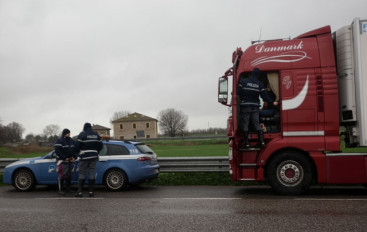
101,130
134,126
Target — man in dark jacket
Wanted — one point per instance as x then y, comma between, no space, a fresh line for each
249,89
65,156
88,146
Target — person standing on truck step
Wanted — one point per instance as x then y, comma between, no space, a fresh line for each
65,158
249,89
88,146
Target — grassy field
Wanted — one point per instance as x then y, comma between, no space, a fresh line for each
174,148
23,152
190,150
165,148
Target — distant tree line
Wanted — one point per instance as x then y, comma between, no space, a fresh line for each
13,132
172,123
50,134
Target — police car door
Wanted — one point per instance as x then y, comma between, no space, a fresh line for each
111,156
101,164
47,169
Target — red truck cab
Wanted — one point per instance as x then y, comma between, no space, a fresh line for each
302,134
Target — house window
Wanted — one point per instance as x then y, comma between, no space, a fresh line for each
134,126
147,125
121,126
148,136
121,137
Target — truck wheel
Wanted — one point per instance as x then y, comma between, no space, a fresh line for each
23,180
289,173
115,180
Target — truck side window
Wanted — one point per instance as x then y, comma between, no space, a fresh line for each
269,114
273,80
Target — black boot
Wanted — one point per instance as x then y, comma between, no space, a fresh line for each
261,138
61,186
246,144
68,183
80,188
91,188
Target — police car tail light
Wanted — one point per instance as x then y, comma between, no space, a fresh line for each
144,159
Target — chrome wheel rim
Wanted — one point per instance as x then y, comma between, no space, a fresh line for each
115,180
290,173
23,180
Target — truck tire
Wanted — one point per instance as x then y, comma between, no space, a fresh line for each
289,173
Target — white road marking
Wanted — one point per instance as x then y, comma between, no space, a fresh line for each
330,199
200,198
69,198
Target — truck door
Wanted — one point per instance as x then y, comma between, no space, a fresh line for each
299,103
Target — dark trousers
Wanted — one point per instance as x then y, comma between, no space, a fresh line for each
65,170
247,114
87,166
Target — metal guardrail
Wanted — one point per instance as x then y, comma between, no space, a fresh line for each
194,164
6,161
174,164
182,138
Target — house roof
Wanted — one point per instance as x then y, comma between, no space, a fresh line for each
99,127
134,117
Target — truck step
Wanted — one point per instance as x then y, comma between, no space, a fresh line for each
248,165
250,149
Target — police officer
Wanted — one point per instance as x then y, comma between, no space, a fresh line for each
88,146
249,90
65,156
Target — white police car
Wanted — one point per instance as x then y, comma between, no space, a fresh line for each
120,163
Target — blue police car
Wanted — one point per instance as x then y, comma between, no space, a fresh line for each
120,163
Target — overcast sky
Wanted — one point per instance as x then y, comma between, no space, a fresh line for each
68,62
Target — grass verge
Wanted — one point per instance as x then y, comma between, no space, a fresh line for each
24,151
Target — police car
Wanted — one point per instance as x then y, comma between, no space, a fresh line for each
120,163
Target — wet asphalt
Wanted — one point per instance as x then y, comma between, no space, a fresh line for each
185,208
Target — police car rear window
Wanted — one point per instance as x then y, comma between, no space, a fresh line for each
117,150
144,149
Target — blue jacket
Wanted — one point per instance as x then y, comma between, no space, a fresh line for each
64,148
88,144
249,90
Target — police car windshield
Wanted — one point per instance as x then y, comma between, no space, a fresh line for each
144,149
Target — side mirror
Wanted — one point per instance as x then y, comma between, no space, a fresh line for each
223,90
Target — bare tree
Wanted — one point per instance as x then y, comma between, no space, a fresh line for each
30,138
118,115
172,121
51,130
14,132
2,133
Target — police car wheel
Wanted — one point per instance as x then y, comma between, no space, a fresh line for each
23,180
115,179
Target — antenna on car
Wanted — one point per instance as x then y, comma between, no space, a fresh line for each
261,29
